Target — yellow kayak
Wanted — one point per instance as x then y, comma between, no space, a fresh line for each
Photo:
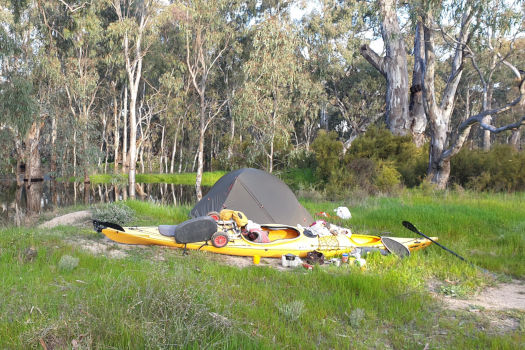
283,239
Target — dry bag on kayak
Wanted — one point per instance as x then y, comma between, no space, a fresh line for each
240,219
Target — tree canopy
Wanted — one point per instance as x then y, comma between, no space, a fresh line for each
126,86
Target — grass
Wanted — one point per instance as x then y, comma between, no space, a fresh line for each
486,229
208,178
156,298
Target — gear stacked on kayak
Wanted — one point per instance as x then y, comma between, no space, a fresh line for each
212,234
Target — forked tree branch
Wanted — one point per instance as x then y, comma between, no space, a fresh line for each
464,128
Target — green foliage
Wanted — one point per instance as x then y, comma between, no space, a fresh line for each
356,317
327,151
502,169
208,179
376,162
398,151
302,158
116,213
387,177
298,178
17,104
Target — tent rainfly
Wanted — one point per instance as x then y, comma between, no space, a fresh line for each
261,196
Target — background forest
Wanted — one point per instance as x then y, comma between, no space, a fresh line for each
340,95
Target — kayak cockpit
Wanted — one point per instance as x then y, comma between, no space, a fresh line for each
271,234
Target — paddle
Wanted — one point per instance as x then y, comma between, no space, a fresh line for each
412,228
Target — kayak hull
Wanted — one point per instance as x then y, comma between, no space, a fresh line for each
291,241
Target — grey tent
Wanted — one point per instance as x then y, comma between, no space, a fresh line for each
261,196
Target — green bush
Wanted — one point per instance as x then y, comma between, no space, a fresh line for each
67,263
298,178
387,177
409,161
302,159
376,162
116,213
501,169
328,152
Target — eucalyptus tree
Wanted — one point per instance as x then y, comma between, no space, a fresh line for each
207,36
81,77
270,77
490,52
404,114
354,92
21,118
133,28
439,105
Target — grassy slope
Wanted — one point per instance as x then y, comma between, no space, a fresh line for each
155,297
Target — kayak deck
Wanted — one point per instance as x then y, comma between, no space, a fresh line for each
283,240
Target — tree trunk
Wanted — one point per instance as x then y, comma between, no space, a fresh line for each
438,168
34,192
116,134
85,159
200,162
132,143
487,102
53,166
125,163
515,139
33,161
393,67
232,133
439,114
161,156
180,157
75,155
418,118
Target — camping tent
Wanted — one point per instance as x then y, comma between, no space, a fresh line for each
261,196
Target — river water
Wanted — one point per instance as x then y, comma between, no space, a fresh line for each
18,202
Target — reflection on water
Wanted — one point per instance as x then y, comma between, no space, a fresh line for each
18,202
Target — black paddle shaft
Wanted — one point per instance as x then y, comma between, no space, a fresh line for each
412,228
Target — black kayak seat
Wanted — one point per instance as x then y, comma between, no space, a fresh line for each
167,230
195,230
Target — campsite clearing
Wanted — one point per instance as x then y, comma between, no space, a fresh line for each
153,296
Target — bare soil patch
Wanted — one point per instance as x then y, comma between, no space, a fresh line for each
501,306
504,296
103,246
245,261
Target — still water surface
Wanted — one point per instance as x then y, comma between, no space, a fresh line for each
18,202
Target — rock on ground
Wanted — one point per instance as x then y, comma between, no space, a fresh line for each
68,219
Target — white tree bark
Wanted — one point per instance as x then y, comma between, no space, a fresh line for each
393,67
439,113
133,62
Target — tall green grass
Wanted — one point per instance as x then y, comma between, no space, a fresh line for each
486,229
155,297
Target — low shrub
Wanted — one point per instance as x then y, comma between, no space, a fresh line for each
67,263
501,169
328,152
113,212
376,162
